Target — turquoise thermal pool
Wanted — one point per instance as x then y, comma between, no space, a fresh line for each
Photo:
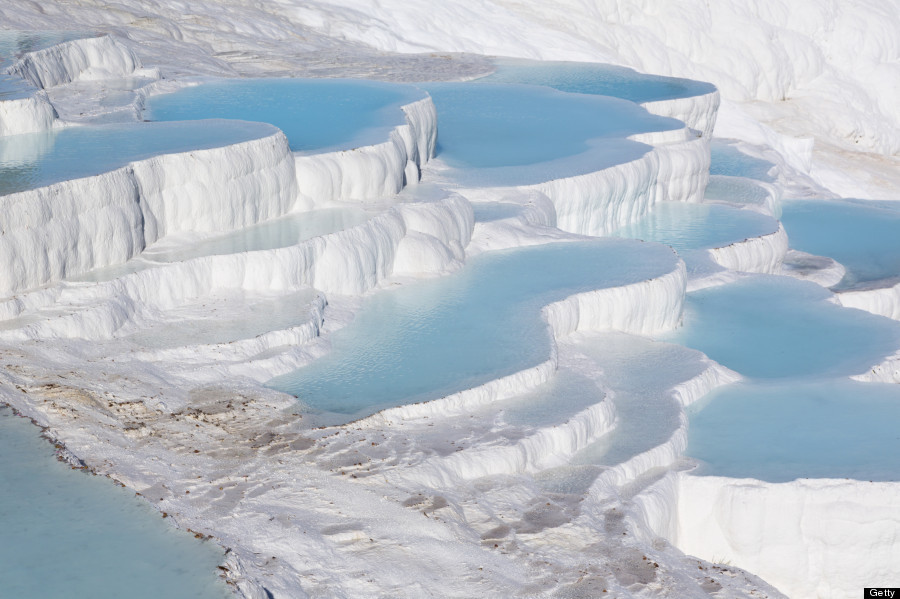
316,114
862,236
728,160
69,534
770,327
698,226
437,337
779,432
597,79
513,134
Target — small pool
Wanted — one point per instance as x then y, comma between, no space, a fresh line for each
864,237
74,535
440,336
726,159
597,79
744,192
519,134
770,327
779,432
698,226
317,115
33,160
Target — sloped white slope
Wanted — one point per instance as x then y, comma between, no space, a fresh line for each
822,537
347,262
70,227
27,115
87,59
372,172
675,168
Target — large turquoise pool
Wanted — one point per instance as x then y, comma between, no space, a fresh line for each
316,114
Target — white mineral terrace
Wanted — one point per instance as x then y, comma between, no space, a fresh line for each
148,325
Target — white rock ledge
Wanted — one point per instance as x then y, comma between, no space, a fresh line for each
809,538
348,262
883,302
70,227
697,112
87,59
372,172
764,254
598,202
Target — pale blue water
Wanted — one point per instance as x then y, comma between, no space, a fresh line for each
698,226
315,114
74,535
737,190
865,238
38,159
597,79
775,327
444,335
782,431
13,44
517,134
728,160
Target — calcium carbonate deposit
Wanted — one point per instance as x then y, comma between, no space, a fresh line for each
460,299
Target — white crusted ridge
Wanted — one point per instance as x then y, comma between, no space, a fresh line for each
821,270
70,227
763,254
713,376
884,301
372,172
348,262
817,538
546,447
85,59
602,201
29,114
697,112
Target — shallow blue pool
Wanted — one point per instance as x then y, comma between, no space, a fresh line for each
439,336
698,226
598,79
519,134
744,192
726,159
74,535
864,237
776,327
38,159
783,431
315,114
